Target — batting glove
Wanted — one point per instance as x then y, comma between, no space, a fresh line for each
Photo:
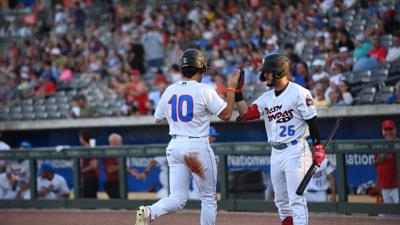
319,154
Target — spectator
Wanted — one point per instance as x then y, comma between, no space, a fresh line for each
136,55
302,76
379,52
293,57
137,92
81,109
111,167
174,74
78,16
159,78
395,98
60,21
46,87
344,59
15,182
153,47
386,166
319,74
320,182
51,185
344,40
334,97
3,147
89,169
319,93
393,55
362,47
345,92
390,24
336,74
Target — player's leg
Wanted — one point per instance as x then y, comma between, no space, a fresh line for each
295,169
206,182
279,185
179,185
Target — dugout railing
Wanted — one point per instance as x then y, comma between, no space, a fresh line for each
339,148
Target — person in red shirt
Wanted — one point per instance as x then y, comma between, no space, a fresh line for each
378,51
386,166
90,171
111,167
46,88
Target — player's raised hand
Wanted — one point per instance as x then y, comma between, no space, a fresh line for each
319,154
233,82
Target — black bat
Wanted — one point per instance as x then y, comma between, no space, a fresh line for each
310,172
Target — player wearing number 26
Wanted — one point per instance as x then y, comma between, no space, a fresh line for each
187,106
290,116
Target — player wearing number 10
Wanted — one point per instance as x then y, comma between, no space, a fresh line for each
187,106
290,116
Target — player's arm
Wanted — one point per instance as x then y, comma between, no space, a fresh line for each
315,133
233,81
246,112
93,164
331,179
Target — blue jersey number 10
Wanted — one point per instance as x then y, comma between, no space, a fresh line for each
177,104
287,131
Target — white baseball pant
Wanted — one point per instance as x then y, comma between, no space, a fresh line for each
288,167
180,151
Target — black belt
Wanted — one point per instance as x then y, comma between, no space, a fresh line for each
176,136
281,146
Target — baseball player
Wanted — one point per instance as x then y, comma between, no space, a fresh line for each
290,116
187,106
322,179
51,185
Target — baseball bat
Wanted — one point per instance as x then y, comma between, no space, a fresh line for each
310,172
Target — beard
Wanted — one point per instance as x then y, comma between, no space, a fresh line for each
272,83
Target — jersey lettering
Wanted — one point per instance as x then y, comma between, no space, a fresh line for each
177,108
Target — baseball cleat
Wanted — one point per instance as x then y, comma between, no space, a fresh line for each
143,216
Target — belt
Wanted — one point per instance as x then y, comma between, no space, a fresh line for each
281,146
184,137
315,191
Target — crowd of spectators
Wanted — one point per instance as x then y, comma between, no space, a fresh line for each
131,49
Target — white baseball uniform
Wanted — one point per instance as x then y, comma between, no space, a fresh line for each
188,106
59,184
19,172
287,129
318,186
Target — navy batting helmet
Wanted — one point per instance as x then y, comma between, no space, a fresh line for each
194,58
277,64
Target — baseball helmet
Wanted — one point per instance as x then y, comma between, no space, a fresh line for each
194,58
277,64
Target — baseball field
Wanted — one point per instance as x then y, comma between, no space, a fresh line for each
127,217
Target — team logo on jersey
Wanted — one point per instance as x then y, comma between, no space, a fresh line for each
274,113
309,100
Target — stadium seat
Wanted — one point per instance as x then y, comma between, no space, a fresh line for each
15,109
27,108
51,107
29,116
16,116
366,96
54,115
39,108
41,115
384,94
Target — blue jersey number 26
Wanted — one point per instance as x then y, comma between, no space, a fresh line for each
177,104
287,131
